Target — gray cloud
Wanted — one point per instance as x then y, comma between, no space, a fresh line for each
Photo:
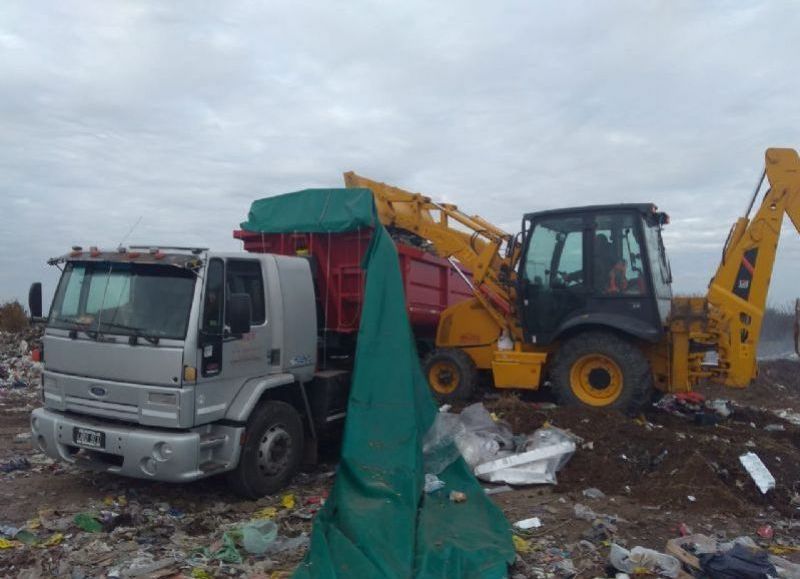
182,114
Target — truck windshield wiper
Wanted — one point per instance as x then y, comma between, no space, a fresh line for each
136,332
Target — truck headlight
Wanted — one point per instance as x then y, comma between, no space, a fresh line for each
168,399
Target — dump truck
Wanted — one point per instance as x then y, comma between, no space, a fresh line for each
176,364
581,299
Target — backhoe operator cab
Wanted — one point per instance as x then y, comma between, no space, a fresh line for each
594,266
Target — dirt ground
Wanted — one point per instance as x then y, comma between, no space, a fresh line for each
661,475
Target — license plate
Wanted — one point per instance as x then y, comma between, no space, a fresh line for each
89,438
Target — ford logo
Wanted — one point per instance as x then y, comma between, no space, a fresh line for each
97,391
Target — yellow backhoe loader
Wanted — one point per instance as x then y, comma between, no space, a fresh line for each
582,297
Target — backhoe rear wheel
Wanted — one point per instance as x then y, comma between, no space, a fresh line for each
601,369
451,374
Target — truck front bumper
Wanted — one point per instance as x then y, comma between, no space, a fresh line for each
139,452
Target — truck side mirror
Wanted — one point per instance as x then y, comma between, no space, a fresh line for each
239,313
35,300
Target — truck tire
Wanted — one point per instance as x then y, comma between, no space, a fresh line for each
272,450
451,374
601,369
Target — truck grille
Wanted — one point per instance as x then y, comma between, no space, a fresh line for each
104,409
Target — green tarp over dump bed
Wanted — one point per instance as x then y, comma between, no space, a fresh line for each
378,522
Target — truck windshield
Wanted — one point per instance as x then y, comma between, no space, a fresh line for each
151,301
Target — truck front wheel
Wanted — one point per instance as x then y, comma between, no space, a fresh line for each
601,369
451,374
272,450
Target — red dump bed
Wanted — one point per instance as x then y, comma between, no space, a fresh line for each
429,282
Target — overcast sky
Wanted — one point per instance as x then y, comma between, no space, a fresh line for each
179,114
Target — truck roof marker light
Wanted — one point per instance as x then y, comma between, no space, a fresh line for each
189,373
94,252
134,255
76,253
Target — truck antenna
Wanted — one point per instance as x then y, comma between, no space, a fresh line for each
127,235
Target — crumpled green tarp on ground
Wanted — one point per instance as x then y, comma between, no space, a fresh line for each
378,523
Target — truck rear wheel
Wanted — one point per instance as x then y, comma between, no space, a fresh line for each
272,450
600,369
451,374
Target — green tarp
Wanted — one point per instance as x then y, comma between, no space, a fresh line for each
378,522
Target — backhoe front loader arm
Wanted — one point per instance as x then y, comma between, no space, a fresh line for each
473,242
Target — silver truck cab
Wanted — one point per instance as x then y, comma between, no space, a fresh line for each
174,364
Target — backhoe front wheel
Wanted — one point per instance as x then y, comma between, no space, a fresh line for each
600,369
451,374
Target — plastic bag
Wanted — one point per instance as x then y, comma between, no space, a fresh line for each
257,536
432,483
438,447
642,558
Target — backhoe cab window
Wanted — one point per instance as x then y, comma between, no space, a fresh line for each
555,253
617,265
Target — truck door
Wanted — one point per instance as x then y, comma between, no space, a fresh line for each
553,284
227,361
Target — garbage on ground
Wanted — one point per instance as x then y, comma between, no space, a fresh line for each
498,490
433,483
774,428
521,545
494,453
525,524
287,501
88,523
740,562
789,416
258,535
694,405
758,472
640,558
765,532
705,554
593,493
16,463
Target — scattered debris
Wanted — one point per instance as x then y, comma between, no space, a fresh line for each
433,483
525,524
458,497
758,472
640,558
593,493
498,490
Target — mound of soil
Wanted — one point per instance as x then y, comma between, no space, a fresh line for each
668,461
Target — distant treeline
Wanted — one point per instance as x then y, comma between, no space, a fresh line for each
778,323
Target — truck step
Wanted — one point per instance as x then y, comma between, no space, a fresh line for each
210,466
212,441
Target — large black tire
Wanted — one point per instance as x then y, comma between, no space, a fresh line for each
272,450
451,374
601,369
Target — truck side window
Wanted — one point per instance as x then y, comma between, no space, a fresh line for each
244,277
213,301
